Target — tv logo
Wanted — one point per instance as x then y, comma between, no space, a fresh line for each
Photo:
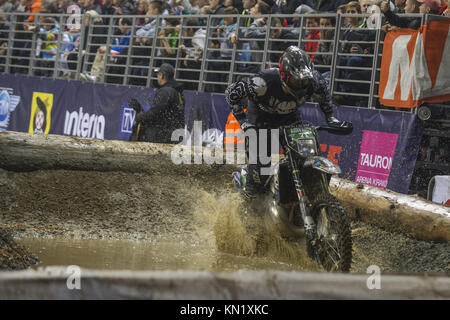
127,117
127,120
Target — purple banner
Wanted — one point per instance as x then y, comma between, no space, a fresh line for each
381,151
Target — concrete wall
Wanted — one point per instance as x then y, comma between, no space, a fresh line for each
51,283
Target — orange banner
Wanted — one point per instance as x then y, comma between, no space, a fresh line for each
415,66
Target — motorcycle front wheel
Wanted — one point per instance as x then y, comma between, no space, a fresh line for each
331,246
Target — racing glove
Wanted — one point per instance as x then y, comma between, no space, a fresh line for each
336,123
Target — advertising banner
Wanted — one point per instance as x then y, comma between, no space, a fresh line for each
415,65
381,151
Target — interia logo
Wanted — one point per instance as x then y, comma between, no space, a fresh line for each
83,124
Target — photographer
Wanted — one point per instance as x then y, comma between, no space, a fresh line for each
166,112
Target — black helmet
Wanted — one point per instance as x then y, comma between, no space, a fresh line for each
296,70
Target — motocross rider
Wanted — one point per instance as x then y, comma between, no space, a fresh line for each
273,97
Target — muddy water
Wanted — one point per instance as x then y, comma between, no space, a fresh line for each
222,240
166,254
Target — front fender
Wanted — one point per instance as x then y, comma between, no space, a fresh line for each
322,164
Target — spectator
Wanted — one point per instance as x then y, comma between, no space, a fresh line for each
193,8
6,6
175,7
169,38
257,30
353,7
439,7
166,113
365,4
142,9
71,47
424,9
51,7
20,59
321,6
247,5
106,9
400,6
118,52
148,32
47,49
3,40
225,32
341,9
217,7
192,47
123,7
34,6
235,4
278,33
86,5
214,64
206,10
142,49
411,6
313,34
325,46
288,7
352,34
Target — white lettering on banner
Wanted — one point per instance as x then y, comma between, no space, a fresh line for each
376,161
442,85
84,125
408,70
74,21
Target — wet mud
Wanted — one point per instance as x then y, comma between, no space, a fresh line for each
190,221
12,255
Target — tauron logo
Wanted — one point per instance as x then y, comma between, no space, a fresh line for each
84,125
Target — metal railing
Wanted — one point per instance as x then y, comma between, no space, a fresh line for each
97,49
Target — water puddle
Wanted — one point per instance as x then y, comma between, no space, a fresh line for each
137,255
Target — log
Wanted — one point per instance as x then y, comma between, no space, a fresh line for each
422,219
23,152
419,218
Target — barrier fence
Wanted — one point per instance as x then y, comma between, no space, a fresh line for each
99,49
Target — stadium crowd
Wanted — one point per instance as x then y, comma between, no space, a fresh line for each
130,43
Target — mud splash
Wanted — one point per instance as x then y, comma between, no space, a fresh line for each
226,221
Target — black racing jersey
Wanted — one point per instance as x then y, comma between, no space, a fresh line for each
264,91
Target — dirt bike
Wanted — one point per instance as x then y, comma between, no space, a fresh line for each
300,203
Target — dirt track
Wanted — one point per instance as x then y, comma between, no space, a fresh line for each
137,206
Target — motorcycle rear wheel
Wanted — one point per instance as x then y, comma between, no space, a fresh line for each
331,246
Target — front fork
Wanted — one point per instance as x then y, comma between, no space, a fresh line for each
310,226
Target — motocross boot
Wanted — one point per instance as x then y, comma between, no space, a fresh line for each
253,186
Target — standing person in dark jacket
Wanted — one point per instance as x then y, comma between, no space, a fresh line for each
166,112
